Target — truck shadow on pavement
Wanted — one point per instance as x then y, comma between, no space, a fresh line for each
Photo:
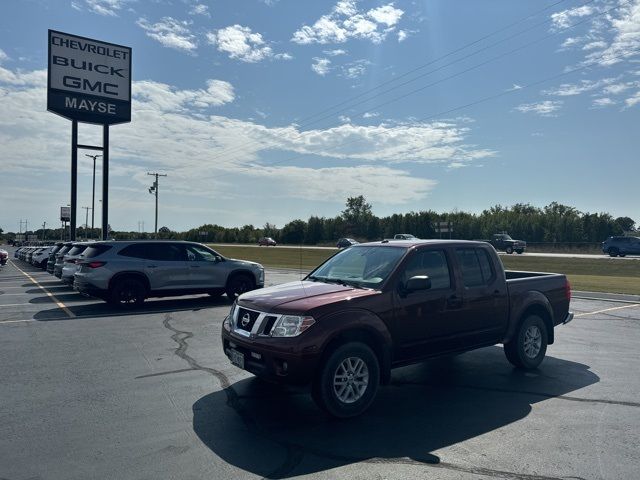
276,432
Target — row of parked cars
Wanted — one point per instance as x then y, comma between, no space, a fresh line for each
128,272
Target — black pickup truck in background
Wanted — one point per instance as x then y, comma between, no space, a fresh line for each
503,242
376,306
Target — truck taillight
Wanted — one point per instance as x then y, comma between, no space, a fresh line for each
95,264
567,290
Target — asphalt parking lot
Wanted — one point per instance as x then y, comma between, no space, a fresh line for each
89,391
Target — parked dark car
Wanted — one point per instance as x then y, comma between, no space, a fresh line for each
376,306
52,256
621,246
59,260
267,241
4,256
346,242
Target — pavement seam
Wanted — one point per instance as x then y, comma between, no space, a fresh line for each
60,305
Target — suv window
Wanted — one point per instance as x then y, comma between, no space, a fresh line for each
167,252
432,263
95,250
475,266
196,253
77,249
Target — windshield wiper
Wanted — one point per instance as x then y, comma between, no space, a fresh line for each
338,281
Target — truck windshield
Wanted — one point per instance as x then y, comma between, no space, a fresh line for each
366,267
504,237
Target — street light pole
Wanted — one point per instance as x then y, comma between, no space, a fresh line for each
93,196
154,190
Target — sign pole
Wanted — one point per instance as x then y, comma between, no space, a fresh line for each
74,178
105,182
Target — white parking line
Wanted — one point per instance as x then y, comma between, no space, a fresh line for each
15,304
607,310
61,305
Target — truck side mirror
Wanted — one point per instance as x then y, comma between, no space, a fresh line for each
419,282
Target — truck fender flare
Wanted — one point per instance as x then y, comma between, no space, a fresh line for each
364,326
534,303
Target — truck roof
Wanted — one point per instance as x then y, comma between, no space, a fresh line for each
416,242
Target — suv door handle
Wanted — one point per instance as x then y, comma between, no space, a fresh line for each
454,301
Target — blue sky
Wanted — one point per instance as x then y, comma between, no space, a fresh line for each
266,111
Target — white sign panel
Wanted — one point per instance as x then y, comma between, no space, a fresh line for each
89,80
65,214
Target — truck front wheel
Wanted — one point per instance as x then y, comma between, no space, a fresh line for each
348,380
529,345
509,250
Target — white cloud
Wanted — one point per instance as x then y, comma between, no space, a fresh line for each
618,88
171,33
633,100
346,21
402,35
370,115
544,109
565,18
200,9
603,102
321,66
335,53
622,28
104,7
355,69
242,44
3,56
173,130
571,89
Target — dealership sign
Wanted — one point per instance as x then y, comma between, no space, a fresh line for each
65,214
89,80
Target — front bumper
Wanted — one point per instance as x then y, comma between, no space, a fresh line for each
568,318
273,363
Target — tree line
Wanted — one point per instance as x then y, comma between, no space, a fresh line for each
554,223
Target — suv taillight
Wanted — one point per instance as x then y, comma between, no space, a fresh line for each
95,264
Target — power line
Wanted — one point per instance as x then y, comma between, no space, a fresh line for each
245,146
374,134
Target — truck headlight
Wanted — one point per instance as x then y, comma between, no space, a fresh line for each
291,325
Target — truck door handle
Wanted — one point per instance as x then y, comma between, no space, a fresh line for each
454,302
152,266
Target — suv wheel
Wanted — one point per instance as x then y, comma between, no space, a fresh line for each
529,345
127,292
509,250
348,381
613,252
239,284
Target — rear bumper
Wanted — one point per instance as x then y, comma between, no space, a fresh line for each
568,318
88,289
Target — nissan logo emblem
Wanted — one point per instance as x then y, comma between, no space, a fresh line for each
245,320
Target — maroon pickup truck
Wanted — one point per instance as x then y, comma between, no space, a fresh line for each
377,306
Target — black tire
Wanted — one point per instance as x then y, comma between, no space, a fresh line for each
334,401
519,252
239,284
127,292
613,252
622,254
529,345
509,250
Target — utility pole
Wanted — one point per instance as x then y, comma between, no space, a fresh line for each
154,190
86,222
93,195
44,225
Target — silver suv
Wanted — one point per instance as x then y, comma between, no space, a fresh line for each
125,273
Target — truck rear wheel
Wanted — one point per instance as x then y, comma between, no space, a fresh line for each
348,380
529,345
509,250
